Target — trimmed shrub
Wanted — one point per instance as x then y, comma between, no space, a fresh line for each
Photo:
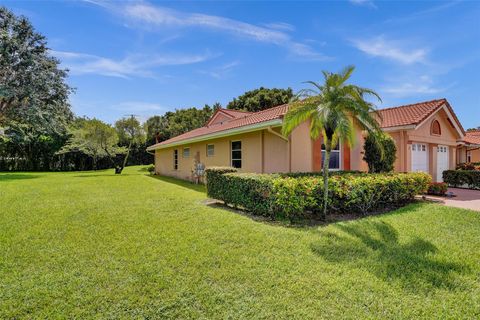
278,196
369,192
317,173
437,188
377,163
215,181
462,178
151,169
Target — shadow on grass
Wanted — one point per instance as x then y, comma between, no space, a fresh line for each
179,182
17,176
375,246
101,175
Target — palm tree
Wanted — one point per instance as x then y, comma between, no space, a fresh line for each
333,108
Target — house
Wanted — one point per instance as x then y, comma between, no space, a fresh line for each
470,152
428,136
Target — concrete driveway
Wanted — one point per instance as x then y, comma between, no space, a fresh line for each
464,198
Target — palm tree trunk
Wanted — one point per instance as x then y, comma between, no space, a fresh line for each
326,161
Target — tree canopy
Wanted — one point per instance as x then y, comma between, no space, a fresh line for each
93,138
34,108
261,99
174,123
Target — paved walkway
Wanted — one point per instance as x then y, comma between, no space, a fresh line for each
465,198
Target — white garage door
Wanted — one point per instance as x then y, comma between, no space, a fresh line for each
442,161
419,157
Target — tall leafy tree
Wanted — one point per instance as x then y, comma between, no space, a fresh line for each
34,108
95,139
174,123
261,99
333,109
130,132
156,128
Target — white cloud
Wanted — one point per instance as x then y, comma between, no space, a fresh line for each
392,50
422,85
367,3
130,66
147,15
223,71
280,26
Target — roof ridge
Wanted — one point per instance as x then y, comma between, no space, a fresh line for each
235,110
413,104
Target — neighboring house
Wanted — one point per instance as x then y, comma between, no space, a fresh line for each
470,152
427,136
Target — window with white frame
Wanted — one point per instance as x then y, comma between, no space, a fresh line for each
236,147
469,156
186,152
210,150
175,159
334,163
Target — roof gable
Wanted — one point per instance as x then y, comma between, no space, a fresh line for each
416,114
222,115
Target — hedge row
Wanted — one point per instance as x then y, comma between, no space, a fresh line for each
462,178
278,195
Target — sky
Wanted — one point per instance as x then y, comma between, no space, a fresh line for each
149,57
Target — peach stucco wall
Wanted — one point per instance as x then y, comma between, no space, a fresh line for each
462,154
251,155
475,155
301,149
405,138
275,153
263,151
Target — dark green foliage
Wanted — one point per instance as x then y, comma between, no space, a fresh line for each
34,108
280,196
380,153
317,174
261,99
171,124
460,178
437,188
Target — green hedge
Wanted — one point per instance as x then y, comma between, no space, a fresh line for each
283,196
461,178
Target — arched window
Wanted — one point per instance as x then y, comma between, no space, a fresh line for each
436,128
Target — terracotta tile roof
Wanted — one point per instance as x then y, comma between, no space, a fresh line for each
235,113
245,120
472,137
410,114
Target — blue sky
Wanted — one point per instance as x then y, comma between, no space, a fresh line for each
146,58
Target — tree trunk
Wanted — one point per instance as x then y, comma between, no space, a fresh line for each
326,161
119,170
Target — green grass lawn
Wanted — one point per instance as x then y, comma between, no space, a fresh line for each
92,244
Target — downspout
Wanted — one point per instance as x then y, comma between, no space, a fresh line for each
270,130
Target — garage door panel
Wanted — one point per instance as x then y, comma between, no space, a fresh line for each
419,157
442,161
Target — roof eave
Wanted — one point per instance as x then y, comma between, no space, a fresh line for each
399,128
220,134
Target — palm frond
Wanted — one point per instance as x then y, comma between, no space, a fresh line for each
296,115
